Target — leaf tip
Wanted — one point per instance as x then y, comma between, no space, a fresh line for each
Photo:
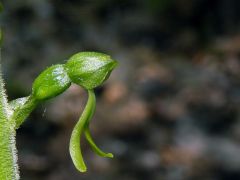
110,155
83,169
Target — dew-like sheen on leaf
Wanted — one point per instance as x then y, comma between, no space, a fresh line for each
51,82
89,69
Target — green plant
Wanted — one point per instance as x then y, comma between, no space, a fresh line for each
87,69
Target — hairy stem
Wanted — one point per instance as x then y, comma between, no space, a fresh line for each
8,153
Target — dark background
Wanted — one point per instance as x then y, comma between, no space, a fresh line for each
170,111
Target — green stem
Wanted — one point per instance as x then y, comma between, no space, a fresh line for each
8,152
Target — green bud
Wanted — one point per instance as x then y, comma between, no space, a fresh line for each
51,82
89,69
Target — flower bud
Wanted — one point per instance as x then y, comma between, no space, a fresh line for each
89,69
51,82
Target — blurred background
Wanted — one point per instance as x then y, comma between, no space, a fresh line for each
170,111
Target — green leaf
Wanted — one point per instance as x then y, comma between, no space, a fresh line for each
90,69
94,147
22,107
51,82
83,126
87,133
75,145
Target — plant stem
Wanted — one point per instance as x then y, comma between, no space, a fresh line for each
8,152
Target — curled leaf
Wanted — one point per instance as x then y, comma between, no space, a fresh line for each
94,147
75,145
88,136
83,126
